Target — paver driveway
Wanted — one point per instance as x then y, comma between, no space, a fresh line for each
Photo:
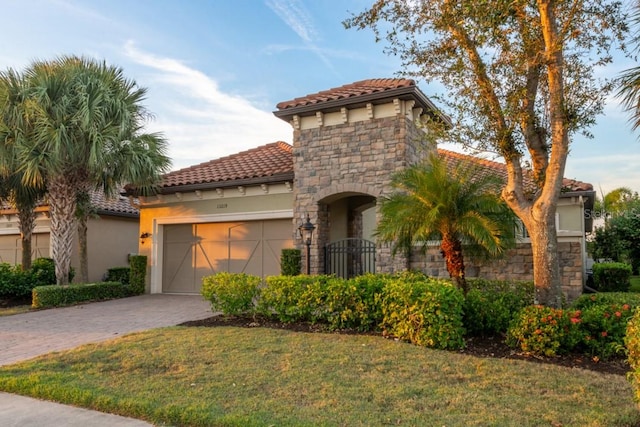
23,336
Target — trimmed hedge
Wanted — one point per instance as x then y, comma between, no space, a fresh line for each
232,294
291,262
138,275
612,277
118,274
294,298
423,311
56,296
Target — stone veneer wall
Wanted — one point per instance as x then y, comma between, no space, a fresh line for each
516,265
350,159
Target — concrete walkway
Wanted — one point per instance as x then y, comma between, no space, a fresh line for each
24,336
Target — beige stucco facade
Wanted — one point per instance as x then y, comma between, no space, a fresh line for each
235,209
110,240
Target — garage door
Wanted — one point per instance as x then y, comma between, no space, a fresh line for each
11,247
192,251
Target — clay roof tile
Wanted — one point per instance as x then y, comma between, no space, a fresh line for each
264,161
362,87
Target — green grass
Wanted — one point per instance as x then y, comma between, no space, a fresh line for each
260,377
18,309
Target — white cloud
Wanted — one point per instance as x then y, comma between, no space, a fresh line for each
294,14
297,18
201,121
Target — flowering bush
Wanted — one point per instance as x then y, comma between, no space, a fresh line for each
603,328
544,331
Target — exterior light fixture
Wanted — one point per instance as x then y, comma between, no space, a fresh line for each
306,233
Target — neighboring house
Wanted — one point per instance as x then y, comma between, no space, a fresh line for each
237,213
112,235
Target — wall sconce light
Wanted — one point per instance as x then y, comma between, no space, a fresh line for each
306,233
144,236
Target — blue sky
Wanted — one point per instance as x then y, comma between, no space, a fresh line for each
215,69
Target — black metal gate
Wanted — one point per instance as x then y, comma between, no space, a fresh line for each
350,257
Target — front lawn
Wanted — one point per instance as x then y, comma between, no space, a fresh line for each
230,376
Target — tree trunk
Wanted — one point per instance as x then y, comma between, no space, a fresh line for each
62,203
546,263
27,218
84,253
452,252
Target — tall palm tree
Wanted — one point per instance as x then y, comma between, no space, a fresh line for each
87,132
13,127
458,206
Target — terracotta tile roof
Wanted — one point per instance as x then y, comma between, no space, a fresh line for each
362,87
499,169
575,185
269,160
117,205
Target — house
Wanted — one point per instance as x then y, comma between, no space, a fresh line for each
112,235
238,212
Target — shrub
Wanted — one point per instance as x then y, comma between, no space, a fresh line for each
231,293
293,298
606,298
55,295
544,331
14,283
351,304
612,276
426,312
138,275
118,274
491,305
290,262
632,342
603,329
43,272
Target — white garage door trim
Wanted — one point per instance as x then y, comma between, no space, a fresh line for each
157,237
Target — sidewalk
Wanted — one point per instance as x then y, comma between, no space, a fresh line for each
24,336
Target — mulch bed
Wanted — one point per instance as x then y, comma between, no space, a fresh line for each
479,347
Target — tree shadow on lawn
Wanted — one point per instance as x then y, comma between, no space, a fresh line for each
475,346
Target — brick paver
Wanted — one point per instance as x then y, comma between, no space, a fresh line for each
24,336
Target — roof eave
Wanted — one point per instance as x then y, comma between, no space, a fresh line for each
287,114
276,178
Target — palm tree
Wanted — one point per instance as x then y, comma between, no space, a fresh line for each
458,206
629,81
13,126
24,199
87,123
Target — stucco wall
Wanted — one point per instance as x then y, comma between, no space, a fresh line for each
110,240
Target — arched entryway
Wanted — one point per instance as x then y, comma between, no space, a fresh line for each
350,221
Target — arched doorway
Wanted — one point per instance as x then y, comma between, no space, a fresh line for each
350,249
